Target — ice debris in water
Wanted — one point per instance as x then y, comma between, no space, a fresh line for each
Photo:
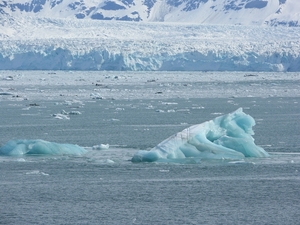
60,116
101,147
225,137
30,147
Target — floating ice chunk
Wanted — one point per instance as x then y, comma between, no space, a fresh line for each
37,172
74,113
101,147
29,147
109,161
5,93
226,137
63,112
8,78
96,96
60,116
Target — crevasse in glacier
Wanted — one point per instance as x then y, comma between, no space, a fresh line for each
225,137
30,147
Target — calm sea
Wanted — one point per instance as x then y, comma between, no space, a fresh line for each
104,187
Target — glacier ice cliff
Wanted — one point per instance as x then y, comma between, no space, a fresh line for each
225,137
98,59
57,44
37,147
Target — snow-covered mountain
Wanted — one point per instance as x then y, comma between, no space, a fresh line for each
245,12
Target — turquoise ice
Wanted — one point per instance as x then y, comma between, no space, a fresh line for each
225,137
33,147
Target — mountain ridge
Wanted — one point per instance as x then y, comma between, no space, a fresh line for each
237,12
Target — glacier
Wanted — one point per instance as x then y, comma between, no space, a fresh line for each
63,44
225,137
39,147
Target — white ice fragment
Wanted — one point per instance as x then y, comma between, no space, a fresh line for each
96,96
60,116
8,78
63,112
101,147
171,110
169,103
109,161
216,113
21,160
36,172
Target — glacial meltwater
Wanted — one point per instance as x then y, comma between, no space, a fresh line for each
108,117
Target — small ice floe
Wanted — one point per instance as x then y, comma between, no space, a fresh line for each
164,171
198,107
238,162
101,147
21,160
216,113
37,172
150,107
8,78
101,161
171,110
96,96
160,111
169,103
109,161
60,116
5,93
70,113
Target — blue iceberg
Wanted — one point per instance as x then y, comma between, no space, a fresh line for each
37,147
225,137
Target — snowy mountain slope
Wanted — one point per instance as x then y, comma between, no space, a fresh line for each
245,12
63,44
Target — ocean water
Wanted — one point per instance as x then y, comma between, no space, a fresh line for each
105,187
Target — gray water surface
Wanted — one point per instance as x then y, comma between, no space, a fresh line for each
104,187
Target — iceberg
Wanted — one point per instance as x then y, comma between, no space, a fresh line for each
37,147
225,137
